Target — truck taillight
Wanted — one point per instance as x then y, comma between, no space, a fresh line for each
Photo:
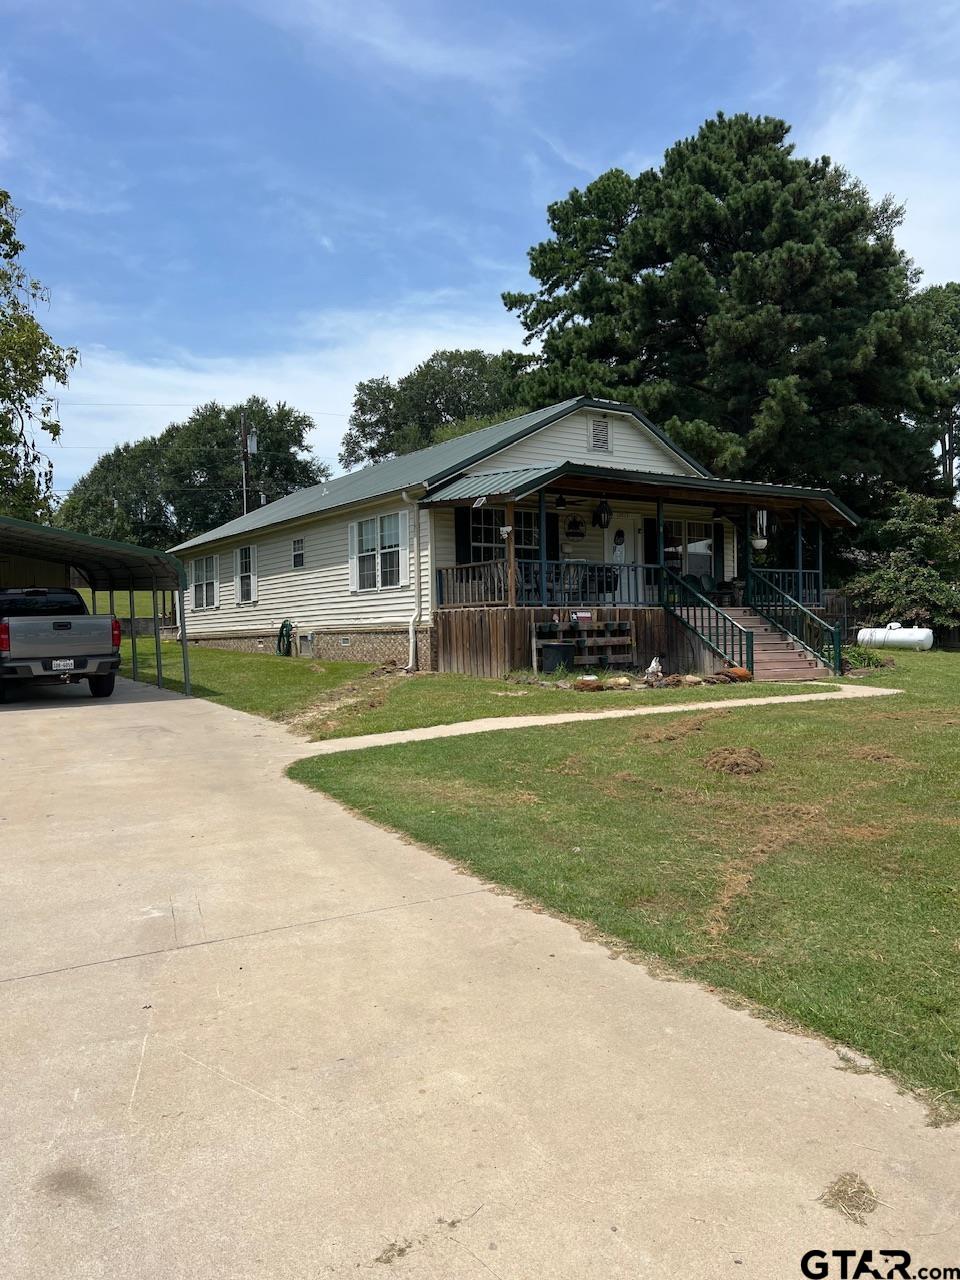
4,637
115,633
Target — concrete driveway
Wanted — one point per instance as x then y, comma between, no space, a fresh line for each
245,1034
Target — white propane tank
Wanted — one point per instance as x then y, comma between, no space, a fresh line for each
894,636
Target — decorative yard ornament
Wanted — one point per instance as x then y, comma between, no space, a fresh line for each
655,670
602,514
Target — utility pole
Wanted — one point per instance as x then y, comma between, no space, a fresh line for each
244,456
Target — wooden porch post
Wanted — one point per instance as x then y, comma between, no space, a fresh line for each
661,554
747,553
800,554
543,548
511,558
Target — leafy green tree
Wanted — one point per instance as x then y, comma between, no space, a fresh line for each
752,301
911,564
420,408
940,309
189,478
202,476
121,497
30,361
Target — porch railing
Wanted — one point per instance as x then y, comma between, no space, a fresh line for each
727,638
766,597
802,585
581,582
565,583
484,582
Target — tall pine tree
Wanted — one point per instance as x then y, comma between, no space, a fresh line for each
752,301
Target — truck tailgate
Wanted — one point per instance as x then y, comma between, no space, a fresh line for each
73,637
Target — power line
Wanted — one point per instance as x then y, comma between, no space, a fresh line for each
172,404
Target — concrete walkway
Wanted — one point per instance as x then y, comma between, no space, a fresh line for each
247,1036
492,724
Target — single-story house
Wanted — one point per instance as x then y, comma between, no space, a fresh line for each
581,525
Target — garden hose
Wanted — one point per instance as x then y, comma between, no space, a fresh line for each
285,639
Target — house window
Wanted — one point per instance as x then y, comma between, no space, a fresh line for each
377,550
298,558
485,540
245,576
390,550
600,435
205,582
688,546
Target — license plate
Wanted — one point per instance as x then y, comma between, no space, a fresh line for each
62,664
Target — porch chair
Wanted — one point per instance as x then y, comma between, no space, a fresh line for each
721,593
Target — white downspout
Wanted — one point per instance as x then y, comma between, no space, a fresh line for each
418,608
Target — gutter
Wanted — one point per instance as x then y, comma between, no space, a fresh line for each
418,608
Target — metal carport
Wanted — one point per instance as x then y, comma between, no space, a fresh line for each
106,566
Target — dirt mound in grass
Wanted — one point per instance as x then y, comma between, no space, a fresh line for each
737,761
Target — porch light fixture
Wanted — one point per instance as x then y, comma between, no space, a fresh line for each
602,515
561,503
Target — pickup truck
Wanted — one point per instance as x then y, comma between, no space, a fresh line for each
47,635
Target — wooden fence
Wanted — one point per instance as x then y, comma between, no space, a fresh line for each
491,642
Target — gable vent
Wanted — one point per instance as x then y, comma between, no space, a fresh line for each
600,435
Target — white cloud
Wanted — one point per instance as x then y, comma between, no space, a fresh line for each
415,46
893,125
115,397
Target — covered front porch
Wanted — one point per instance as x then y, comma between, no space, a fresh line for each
579,536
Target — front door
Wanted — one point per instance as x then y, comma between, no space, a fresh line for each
631,541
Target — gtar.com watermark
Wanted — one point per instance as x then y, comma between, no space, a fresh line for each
869,1264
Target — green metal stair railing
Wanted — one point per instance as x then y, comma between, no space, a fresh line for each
716,629
794,619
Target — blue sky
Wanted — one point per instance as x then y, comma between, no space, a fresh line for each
284,196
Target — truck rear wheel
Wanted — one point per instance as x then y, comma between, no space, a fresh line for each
102,686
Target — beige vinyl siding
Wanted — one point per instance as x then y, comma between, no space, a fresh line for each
632,447
316,596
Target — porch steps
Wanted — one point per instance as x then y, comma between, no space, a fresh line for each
775,655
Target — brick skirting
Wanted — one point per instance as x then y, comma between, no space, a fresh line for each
375,647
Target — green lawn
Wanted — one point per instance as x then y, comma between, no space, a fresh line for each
341,699
259,683
399,702
824,888
121,601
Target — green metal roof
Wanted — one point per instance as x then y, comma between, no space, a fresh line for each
521,482
492,484
422,469
101,561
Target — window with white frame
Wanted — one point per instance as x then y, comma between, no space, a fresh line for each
245,575
378,552
298,556
205,586
688,546
486,542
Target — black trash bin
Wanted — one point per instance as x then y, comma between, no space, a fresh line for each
557,655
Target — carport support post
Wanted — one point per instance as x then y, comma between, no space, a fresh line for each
156,634
184,648
133,636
